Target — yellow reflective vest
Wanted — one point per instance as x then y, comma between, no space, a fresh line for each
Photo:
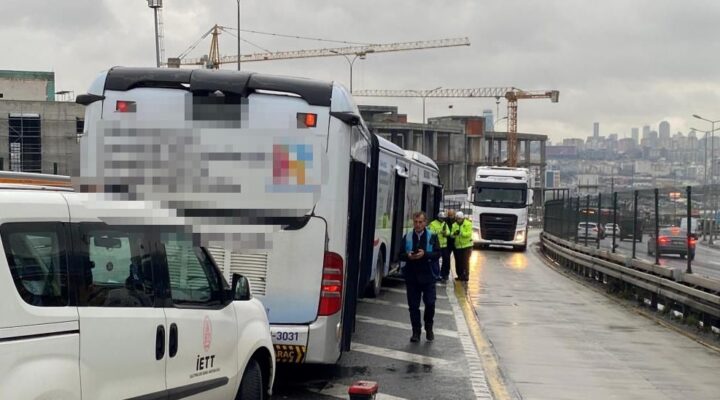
462,234
441,229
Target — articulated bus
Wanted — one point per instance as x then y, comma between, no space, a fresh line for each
278,176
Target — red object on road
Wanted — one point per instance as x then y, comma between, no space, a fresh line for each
363,390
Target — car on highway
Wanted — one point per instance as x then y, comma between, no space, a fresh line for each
589,230
672,240
101,302
612,229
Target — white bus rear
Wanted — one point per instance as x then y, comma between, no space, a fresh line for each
279,175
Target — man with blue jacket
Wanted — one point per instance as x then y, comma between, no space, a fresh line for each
421,249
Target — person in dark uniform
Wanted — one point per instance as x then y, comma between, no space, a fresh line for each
450,248
420,251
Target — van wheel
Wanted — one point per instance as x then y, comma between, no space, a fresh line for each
373,290
251,386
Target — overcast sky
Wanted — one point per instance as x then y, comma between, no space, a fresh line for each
623,63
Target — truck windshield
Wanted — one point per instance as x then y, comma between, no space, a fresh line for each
499,197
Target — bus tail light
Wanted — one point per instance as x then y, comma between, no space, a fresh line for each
125,106
306,120
332,284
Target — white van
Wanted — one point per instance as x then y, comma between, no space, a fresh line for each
97,304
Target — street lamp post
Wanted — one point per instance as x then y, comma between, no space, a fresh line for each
712,177
424,96
238,42
492,138
360,55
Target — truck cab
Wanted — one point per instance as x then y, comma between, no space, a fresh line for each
499,199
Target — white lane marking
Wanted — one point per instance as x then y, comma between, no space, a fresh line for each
399,355
475,366
400,325
401,305
395,290
341,392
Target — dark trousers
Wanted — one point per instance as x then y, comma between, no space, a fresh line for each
462,261
416,291
445,267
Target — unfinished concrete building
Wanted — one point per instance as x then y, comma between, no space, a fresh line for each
37,133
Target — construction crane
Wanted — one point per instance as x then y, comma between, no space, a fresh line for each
214,60
511,94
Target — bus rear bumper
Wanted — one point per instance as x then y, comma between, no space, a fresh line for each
316,343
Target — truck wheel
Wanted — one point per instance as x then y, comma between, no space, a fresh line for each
520,248
375,286
251,386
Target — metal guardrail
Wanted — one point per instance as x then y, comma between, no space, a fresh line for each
668,286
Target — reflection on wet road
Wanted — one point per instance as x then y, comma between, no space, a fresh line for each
557,339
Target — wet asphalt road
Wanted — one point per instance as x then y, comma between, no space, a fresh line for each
557,339
383,353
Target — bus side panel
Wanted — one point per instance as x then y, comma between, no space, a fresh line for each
383,216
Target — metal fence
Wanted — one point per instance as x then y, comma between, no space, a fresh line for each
645,224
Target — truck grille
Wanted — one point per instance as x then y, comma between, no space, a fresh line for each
498,226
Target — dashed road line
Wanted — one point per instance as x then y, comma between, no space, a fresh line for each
399,355
396,290
341,392
404,326
401,305
475,366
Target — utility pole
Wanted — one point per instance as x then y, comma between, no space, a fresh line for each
156,5
239,33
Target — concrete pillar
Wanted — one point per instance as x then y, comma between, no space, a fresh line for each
527,152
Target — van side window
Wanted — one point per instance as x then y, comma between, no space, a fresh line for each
37,256
117,266
193,277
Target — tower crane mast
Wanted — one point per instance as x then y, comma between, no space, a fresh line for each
511,94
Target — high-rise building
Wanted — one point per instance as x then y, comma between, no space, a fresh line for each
489,122
635,135
664,130
596,129
646,131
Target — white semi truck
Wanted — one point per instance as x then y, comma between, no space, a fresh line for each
499,200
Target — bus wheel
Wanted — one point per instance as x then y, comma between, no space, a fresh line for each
374,289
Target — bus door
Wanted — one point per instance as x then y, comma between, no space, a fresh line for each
398,213
361,223
431,197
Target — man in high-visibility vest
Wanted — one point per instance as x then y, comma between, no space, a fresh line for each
461,231
441,229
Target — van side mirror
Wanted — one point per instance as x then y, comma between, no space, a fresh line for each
240,288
